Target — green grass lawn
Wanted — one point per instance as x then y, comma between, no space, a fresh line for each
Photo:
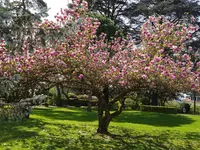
75,129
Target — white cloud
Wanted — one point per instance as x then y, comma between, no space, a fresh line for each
55,6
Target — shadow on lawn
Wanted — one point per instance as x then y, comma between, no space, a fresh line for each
15,130
66,137
154,119
81,137
193,135
164,140
78,115
149,118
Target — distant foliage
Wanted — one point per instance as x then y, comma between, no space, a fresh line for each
192,109
161,109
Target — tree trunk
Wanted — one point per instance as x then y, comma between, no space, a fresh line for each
194,102
104,113
63,92
103,126
58,96
100,116
104,105
104,120
89,108
154,99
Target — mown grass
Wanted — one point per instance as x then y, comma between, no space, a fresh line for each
75,129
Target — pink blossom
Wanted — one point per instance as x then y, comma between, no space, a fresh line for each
85,3
147,68
144,76
81,76
121,82
157,59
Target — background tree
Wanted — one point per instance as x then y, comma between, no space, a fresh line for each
176,11
17,21
106,26
116,10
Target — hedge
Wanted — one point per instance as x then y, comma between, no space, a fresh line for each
77,102
161,109
197,109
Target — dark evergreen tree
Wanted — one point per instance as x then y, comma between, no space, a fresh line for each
116,10
17,19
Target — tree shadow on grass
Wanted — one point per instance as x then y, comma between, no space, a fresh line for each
25,134
164,140
193,135
79,115
82,137
154,119
66,137
14,131
137,117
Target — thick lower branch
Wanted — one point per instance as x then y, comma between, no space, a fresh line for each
63,92
118,112
116,98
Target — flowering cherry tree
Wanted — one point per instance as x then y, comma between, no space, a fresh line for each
171,64
110,70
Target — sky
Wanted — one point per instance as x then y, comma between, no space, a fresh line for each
54,7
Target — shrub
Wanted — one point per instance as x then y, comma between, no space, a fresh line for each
182,107
72,95
83,97
161,109
197,109
15,112
77,103
115,106
52,91
131,103
173,104
20,110
50,100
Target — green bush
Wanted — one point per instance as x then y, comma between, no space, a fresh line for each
115,106
181,107
52,91
161,109
130,103
197,109
84,97
72,95
77,103
173,104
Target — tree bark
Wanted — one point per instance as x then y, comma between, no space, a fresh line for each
154,99
89,108
58,96
103,127
100,116
63,92
104,115
194,94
